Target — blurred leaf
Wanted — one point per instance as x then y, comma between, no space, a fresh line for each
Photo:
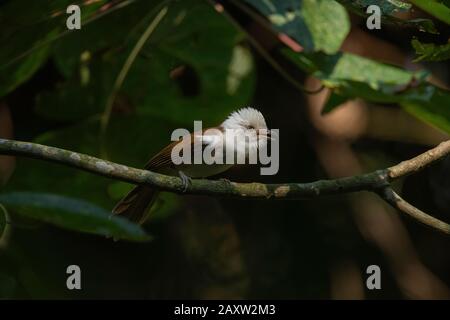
431,51
14,75
429,104
240,67
74,100
72,214
337,70
318,25
438,9
28,36
24,30
200,91
351,76
111,32
179,76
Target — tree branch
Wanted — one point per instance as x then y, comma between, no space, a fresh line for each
377,181
391,197
416,164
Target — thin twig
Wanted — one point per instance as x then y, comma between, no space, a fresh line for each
377,181
391,197
421,161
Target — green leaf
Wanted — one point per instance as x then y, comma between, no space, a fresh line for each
25,37
72,214
438,9
74,100
206,69
14,75
222,72
429,104
318,25
335,70
28,30
116,30
351,76
431,51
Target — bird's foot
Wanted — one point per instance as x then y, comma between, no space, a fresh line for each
185,180
226,181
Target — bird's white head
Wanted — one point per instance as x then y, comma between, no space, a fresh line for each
245,118
250,128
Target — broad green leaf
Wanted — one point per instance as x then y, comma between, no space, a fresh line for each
431,51
14,75
73,214
336,69
352,76
318,25
438,9
213,79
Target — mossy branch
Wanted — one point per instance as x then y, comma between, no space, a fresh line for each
377,181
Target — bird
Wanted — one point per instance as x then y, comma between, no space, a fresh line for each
137,204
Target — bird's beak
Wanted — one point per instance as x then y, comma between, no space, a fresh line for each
268,135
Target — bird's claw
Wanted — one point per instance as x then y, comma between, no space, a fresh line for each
185,180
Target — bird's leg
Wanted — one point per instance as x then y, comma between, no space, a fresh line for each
185,179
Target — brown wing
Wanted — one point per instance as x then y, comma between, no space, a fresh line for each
163,159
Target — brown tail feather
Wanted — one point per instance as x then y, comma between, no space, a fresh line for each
136,204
